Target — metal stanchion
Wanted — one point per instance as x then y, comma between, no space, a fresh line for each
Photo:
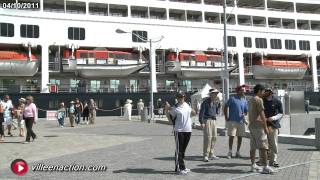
317,132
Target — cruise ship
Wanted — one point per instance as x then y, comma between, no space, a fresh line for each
69,46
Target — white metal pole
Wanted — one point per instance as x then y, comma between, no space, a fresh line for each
226,74
151,79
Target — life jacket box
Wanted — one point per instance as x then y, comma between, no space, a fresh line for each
53,88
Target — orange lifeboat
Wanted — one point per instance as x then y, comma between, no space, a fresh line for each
193,65
101,63
17,64
279,69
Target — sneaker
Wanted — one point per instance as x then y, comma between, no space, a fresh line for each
183,172
205,159
255,168
87,122
61,126
9,134
214,157
274,164
238,155
267,170
229,156
26,142
188,170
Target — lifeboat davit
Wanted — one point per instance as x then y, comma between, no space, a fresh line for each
17,64
101,63
192,65
279,69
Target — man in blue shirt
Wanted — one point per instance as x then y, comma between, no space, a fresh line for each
235,119
207,116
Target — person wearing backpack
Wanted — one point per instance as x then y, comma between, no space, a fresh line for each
72,113
180,116
274,112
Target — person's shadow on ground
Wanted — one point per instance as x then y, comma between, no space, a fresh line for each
143,171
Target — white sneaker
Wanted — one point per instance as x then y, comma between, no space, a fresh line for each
183,172
267,170
255,168
87,122
205,159
188,170
214,157
229,156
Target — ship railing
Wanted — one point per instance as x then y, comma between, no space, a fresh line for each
53,10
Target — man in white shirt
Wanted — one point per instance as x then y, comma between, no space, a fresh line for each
180,115
7,104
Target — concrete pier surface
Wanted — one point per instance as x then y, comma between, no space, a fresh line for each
140,150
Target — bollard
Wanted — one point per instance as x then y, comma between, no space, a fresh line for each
144,114
317,133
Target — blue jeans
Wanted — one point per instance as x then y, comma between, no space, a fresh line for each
78,118
61,121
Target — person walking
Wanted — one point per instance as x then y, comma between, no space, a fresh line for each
85,114
72,110
140,106
237,107
61,114
306,105
79,111
92,111
8,107
180,116
1,123
274,112
258,130
127,109
19,112
30,115
207,117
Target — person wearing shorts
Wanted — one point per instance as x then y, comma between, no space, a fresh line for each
235,119
7,104
20,119
258,130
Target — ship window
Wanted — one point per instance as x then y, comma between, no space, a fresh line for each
304,45
290,44
318,45
261,43
29,31
232,41
247,42
75,33
139,36
6,30
83,55
95,85
275,43
114,85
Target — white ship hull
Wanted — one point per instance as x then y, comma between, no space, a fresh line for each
266,72
18,68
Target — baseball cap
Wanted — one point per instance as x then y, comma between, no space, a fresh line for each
181,94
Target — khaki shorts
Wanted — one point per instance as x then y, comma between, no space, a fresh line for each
259,139
236,129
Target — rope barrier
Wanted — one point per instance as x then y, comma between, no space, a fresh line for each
109,110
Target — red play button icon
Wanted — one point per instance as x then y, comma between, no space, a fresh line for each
19,167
